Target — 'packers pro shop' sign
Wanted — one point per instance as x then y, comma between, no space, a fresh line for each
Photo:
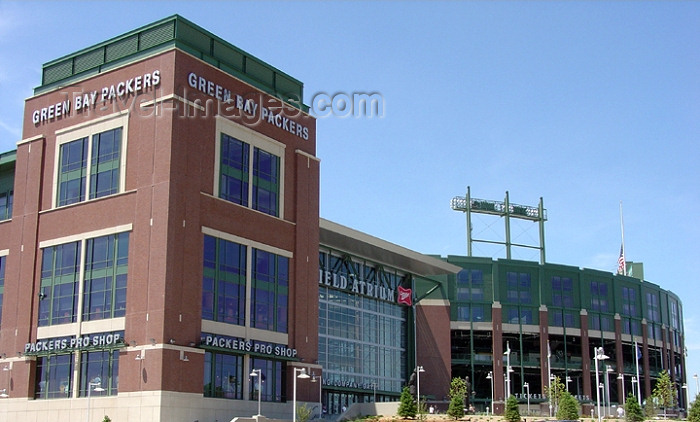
248,346
65,344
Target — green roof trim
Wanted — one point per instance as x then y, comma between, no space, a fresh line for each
8,157
172,32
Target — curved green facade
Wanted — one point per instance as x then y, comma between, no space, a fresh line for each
560,314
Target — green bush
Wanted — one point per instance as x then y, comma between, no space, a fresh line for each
568,408
457,391
633,411
512,411
407,407
694,411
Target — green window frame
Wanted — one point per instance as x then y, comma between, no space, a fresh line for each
106,163
78,181
223,375
270,291
60,272
262,191
72,172
104,272
224,281
106,269
100,366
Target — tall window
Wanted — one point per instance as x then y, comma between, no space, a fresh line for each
6,205
272,377
53,376
599,296
226,276
261,191
106,264
104,272
100,367
60,271
223,375
270,291
518,285
224,282
103,153
470,288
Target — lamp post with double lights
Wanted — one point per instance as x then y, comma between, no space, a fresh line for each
527,388
508,369
598,355
621,377
257,373
419,369
490,377
608,371
549,378
320,386
302,375
97,383
549,394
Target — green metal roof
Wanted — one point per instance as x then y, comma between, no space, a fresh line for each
172,32
8,157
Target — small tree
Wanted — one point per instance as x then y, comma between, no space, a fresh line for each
512,411
665,392
458,388
303,413
558,388
633,411
694,411
568,407
106,419
649,407
407,407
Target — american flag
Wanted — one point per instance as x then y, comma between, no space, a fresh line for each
621,267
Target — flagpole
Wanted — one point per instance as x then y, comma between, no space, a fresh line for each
622,230
639,381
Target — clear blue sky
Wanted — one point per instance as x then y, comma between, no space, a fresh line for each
585,104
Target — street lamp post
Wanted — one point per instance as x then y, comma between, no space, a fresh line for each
490,376
568,380
302,375
621,377
549,394
419,369
687,397
696,384
527,387
508,369
608,370
257,373
634,383
320,394
97,383
374,389
598,355
549,379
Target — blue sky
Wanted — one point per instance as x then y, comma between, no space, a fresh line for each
585,104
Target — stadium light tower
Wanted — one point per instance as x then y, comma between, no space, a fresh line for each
505,209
